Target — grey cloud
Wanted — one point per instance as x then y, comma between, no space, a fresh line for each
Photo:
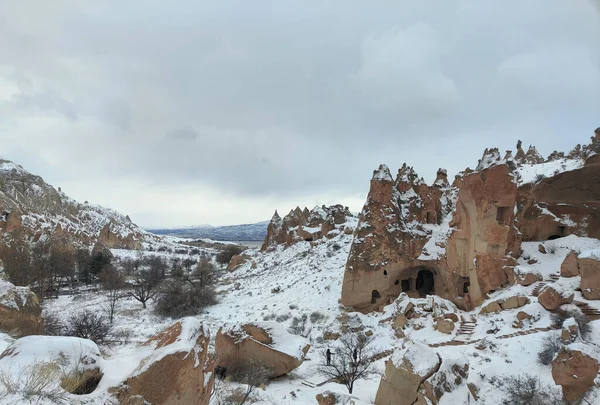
183,134
285,100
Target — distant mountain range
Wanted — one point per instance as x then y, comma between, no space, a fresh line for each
244,232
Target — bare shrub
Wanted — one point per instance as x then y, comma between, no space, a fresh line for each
551,345
351,361
180,298
53,325
283,318
561,315
88,325
529,390
317,317
299,326
35,382
248,371
225,255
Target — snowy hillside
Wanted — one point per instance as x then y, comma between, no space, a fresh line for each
29,202
304,280
245,232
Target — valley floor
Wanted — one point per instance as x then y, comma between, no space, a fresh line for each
306,279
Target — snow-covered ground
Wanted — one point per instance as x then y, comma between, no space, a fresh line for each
306,279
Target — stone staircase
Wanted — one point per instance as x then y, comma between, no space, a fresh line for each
541,284
591,313
464,334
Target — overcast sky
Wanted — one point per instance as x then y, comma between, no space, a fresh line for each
220,112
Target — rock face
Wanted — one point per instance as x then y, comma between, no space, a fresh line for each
29,205
460,242
448,241
20,311
575,371
589,263
265,342
570,266
177,370
306,225
404,375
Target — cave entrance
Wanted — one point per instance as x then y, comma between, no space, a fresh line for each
375,296
552,237
425,283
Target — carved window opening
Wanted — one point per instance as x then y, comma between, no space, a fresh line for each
375,296
503,215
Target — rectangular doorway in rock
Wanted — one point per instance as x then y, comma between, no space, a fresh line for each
425,283
503,215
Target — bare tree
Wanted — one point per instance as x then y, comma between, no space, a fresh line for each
112,282
145,285
82,260
351,361
16,259
204,274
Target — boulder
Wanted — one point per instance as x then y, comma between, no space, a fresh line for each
327,398
177,369
570,266
399,322
522,315
20,311
541,248
444,325
71,363
238,260
404,374
490,308
552,297
514,302
451,377
574,370
589,267
570,331
522,275
267,343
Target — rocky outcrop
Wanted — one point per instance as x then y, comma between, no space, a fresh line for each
574,369
266,343
589,267
304,225
451,377
404,375
461,242
448,241
20,311
177,369
34,208
570,266
238,260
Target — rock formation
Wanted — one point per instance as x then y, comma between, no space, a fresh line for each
266,343
20,311
404,375
29,205
460,241
305,225
177,369
575,370
589,267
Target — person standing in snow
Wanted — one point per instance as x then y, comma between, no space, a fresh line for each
355,354
328,355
